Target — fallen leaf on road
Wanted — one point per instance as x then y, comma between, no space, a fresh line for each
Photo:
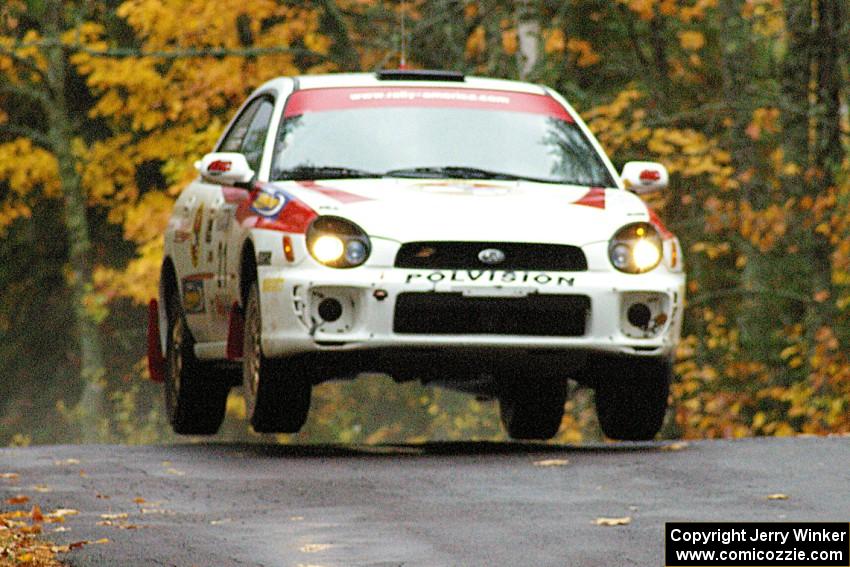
219,522
61,529
36,529
36,514
551,463
62,512
19,499
102,496
624,521
9,475
175,472
120,525
115,516
676,446
296,518
139,500
777,496
314,547
41,488
67,462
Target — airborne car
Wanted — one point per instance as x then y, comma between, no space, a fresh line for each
462,231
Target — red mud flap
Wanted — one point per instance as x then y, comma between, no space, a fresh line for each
156,362
235,332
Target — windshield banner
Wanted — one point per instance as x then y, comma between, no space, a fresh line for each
319,100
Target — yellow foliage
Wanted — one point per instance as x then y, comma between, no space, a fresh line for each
554,41
645,9
584,51
26,167
691,40
476,43
510,42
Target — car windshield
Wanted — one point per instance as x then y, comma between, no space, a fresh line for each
332,141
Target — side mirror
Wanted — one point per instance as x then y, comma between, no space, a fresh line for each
645,176
225,168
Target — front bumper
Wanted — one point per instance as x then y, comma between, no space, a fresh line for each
293,322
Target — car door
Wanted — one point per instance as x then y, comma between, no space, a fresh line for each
247,136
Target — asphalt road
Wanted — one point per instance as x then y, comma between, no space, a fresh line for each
437,504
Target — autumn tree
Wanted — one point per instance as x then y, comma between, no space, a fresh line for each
36,55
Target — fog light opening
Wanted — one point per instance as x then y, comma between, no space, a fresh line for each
330,309
639,315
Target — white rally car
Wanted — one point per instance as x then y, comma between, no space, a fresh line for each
462,231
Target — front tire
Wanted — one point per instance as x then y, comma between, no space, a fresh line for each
195,392
277,396
533,410
631,398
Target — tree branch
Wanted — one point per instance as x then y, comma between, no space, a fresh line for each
25,91
163,54
27,132
188,53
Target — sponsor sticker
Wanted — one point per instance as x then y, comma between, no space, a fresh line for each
224,218
193,296
264,258
496,277
272,285
268,204
195,247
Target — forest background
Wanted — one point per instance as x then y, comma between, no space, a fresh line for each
105,105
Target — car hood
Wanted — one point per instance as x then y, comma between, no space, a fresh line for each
409,210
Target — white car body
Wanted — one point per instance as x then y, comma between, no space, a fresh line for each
214,226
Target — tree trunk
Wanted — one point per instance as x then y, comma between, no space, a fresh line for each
795,89
90,407
737,72
828,42
528,33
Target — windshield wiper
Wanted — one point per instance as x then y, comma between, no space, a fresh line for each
462,172
309,172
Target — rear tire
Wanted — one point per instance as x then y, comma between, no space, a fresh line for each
533,410
277,396
631,398
195,391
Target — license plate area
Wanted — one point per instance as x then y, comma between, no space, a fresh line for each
538,315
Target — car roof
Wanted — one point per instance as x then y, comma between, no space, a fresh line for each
337,80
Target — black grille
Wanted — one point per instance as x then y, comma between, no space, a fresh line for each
536,315
464,256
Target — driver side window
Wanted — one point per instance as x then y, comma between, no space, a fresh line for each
248,134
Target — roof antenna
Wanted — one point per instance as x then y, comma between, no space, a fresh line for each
402,64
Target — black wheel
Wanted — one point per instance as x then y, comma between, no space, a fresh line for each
631,398
277,395
195,391
533,409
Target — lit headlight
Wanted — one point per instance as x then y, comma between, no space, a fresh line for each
635,248
337,243
328,249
